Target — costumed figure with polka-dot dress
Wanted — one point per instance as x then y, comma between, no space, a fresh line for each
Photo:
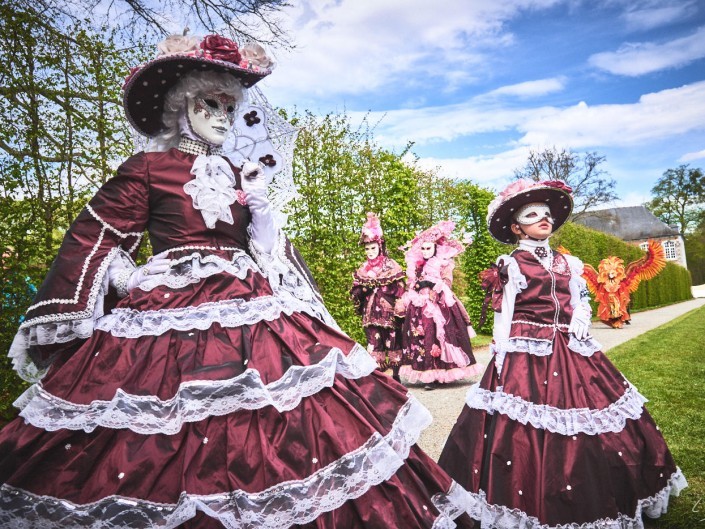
553,436
437,329
377,288
209,387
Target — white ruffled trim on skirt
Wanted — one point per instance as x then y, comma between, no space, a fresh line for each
194,400
278,507
195,267
540,347
562,421
493,516
131,323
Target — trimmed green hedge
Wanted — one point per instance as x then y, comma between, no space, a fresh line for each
672,285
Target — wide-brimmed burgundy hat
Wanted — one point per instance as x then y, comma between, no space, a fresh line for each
146,86
555,193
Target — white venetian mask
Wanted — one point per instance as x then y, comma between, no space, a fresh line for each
533,213
428,250
211,116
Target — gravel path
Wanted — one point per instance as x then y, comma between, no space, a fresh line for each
446,402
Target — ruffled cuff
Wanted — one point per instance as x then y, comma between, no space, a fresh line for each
56,329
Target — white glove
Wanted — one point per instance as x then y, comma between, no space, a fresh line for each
262,229
580,322
125,277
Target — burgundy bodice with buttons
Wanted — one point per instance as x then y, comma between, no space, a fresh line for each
543,307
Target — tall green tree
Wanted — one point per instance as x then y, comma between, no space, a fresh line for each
679,197
62,133
342,174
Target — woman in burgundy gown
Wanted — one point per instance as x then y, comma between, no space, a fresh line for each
553,435
377,288
437,328
209,387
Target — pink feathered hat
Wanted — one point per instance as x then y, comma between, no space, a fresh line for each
446,246
555,193
371,230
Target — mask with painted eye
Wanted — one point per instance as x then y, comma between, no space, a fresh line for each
533,213
211,116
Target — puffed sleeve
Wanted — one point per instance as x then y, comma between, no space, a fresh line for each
359,293
515,283
579,293
75,292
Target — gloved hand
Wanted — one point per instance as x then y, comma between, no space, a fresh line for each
125,277
580,322
424,284
262,228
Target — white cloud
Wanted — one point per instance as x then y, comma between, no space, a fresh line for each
529,89
692,156
654,117
654,17
357,46
635,59
490,171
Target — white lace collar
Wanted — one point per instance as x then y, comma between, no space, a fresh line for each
540,250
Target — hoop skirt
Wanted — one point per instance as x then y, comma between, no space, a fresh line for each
436,333
554,435
219,394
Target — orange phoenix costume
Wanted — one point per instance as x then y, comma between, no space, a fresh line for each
612,284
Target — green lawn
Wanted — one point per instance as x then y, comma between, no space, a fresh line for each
667,365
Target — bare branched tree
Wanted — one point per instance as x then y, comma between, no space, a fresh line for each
591,185
137,20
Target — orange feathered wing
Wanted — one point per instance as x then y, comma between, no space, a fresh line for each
590,277
647,267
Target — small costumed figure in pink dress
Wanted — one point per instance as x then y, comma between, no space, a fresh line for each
209,387
553,436
378,286
437,329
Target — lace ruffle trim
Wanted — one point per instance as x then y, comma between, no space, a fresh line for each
195,400
520,344
499,516
279,507
193,268
585,348
43,334
562,421
130,323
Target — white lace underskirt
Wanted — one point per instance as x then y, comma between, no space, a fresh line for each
279,507
194,400
493,516
562,421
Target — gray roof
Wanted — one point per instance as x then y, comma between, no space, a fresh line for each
629,224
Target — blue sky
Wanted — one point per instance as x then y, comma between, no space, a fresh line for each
476,84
